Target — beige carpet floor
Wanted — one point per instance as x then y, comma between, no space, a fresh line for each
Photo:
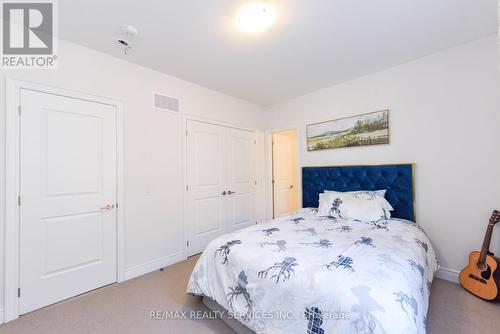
125,308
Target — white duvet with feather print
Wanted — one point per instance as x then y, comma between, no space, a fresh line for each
307,274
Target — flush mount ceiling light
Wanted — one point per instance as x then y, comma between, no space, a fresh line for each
256,16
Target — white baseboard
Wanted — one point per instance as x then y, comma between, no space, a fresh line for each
153,265
448,275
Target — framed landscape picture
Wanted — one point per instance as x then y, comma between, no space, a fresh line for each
359,130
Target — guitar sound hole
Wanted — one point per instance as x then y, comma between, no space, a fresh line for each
487,273
479,279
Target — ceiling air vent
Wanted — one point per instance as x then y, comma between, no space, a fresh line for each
163,102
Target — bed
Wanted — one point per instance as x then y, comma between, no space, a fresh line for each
308,274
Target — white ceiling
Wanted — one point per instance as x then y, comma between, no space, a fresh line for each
313,44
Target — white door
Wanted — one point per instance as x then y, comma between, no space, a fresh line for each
284,174
206,183
68,196
240,179
220,181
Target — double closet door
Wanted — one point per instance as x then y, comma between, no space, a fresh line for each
221,182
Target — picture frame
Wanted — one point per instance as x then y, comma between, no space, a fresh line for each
359,130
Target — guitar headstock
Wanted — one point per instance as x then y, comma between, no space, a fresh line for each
495,217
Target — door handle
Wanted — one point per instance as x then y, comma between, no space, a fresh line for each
108,207
231,192
291,186
224,193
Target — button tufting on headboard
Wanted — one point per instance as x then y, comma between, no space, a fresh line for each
397,179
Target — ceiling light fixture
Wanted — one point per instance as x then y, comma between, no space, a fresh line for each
256,16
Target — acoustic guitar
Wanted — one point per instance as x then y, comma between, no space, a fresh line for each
481,276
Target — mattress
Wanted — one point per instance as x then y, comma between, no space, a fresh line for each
307,274
222,313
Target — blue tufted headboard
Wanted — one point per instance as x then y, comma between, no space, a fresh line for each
396,178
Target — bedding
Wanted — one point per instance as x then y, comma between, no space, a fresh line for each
363,205
308,274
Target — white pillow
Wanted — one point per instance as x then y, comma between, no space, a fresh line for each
366,194
363,206
325,204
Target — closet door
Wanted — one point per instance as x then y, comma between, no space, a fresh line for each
206,173
240,201
220,182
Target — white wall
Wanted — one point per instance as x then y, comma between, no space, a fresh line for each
445,116
153,142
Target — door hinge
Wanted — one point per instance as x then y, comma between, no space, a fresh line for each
273,182
18,292
187,243
186,133
255,142
18,200
255,182
187,187
19,110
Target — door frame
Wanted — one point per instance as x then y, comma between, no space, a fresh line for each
185,119
269,187
12,178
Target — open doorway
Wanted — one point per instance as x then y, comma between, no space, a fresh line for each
284,172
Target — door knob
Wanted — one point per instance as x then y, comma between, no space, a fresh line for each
231,192
108,207
291,186
224,193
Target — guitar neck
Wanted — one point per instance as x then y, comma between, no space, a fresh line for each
486,243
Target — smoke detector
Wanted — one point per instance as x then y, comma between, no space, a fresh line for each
130,32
